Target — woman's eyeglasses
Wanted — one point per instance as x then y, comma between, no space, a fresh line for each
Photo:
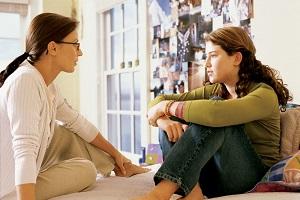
77,44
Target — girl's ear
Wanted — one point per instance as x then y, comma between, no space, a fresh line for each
238,56
51,48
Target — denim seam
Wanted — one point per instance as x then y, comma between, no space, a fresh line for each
174,179
192,157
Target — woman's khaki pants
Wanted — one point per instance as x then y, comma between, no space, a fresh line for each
70,165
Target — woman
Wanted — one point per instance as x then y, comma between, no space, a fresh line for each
234,132
35,158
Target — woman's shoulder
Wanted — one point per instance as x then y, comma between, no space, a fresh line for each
25,74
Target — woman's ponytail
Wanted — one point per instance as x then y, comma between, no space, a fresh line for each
12,67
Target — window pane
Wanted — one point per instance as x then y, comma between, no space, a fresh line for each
130,12
131,47
125,133
125,91
116,51
137,91
112,129
10,25
10,44
9,48
112,92
137,134
116,18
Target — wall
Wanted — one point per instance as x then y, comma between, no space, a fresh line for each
88,63
68,83
276,30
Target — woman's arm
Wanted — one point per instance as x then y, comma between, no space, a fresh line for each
104,145
75,122
26,191
23,108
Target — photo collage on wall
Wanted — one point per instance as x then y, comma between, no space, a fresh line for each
178,28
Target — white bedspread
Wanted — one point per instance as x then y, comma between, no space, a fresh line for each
119,188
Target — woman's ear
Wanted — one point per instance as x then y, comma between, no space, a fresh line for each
51,48
238,56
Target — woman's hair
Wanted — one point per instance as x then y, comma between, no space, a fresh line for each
235,39
43,29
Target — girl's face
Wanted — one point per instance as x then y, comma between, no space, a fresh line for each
221,68
68,53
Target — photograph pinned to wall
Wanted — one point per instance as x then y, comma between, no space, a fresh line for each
245,13
164,47
199,54
173,46
227,19
206,7
245,9
157,87
196,75
174,10
194,28
180,87
183,39
156,31
169,72
245,24
183,7
165,31
155,48
216,8
195,3
229,13
160,11
201,25
155,67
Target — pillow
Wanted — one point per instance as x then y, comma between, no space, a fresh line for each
290,131
284,176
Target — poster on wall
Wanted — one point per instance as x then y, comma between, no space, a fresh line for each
178,28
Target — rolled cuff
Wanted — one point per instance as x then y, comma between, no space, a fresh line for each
25,170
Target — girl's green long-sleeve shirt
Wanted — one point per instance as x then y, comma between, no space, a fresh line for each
258,110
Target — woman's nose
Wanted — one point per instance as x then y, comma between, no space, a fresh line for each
80,52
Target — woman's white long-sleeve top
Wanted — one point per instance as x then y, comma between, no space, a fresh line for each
28,111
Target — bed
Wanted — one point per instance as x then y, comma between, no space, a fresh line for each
120,188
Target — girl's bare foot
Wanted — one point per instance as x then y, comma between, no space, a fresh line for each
162,191
131,169
196,193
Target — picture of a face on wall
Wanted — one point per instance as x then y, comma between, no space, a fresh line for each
164,47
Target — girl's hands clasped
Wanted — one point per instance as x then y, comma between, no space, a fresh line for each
173,129
156,112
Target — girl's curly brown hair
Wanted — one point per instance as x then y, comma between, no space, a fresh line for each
235,39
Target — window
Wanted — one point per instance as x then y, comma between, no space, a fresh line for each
122,75
10,37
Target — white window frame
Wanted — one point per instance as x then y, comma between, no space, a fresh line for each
104,59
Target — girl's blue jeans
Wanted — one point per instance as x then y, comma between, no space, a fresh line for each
222,160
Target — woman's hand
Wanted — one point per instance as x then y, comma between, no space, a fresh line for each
156,112
120,161
173,129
